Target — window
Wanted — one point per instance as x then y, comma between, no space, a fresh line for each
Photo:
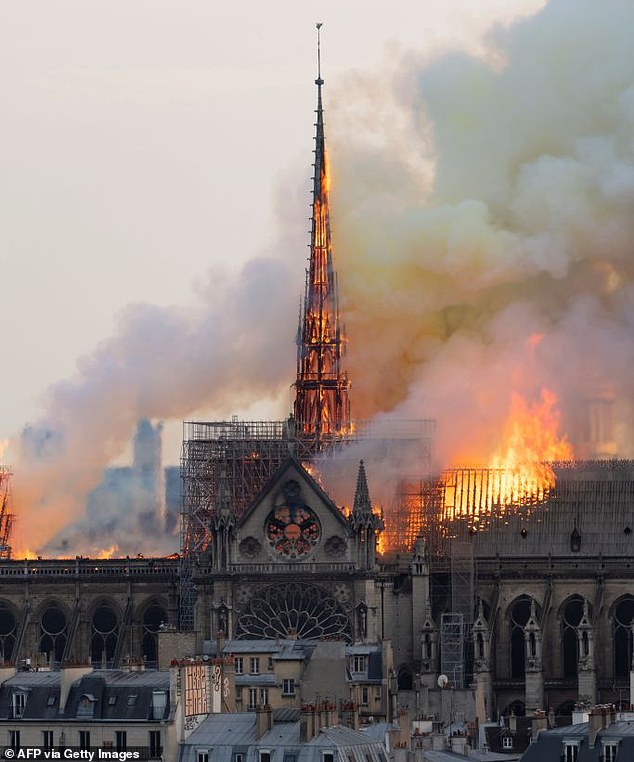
270,664
290,756
47,739
121,740
609,752
571,752
358,663
623,616
132,700
202,756
364,695
328,756
254,665
84,739
154,738
507,742
265,755
19,702
253,698
238,757
378,695
50,701
520,614
239,693
572,614
288,687
86,706
14,739
112,700
238,665
264,696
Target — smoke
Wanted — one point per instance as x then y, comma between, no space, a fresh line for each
498,208
161,363
478,202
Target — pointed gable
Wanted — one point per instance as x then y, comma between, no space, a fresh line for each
292,520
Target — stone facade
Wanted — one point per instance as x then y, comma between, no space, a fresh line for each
551,625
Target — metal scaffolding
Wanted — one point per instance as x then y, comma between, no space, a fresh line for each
248,454
452,630
6,516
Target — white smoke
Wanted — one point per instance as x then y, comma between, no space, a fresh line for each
162,363
505,210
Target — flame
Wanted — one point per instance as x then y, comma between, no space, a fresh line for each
521,469
519,474
106,552
19,554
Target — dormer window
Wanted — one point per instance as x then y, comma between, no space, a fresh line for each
86,706
18,704
358,663
610,748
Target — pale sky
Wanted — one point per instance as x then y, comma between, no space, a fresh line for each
145,142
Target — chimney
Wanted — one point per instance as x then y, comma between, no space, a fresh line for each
263,720
540,722
307,723
69,676
601,717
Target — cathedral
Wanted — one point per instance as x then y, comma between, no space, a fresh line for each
530,609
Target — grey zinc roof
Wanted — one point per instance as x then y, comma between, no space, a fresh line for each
549,744
31,679
228,733
98,685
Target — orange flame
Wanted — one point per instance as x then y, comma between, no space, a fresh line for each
106,552
522,467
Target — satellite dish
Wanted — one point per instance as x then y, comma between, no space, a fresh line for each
443,681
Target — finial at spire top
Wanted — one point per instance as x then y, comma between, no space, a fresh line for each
319,81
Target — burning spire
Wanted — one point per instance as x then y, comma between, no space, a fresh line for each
322,407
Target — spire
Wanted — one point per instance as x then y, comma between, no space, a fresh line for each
362,503
322,408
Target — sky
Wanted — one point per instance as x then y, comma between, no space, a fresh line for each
148,150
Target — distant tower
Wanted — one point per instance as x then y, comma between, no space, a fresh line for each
322,407
148,474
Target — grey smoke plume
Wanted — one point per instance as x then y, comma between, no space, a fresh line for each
162,363
503,210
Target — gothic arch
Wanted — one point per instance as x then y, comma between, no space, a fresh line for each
105,624
296,609
54,619
152,616
517,708
569,615
8,631
405,679
622,616
518,613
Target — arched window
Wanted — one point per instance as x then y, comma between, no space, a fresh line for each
53,633
516,708
571,616
404,679
105,632
8,629
623,616
480,645
154,616
520,613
